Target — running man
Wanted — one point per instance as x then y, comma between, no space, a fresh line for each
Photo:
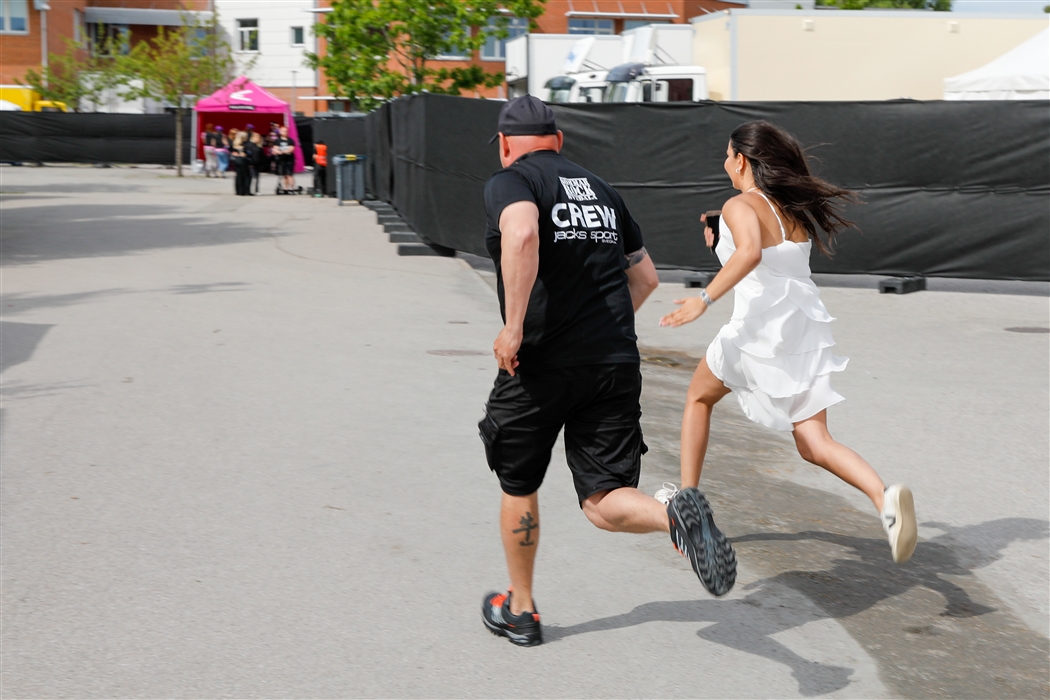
571,272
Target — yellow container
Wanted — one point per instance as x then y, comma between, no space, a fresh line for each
22,96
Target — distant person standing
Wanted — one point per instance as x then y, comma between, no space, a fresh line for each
222,151
256,157
241,165
271,140
320,169
210,140
285,149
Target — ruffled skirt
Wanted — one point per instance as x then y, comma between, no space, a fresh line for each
775,354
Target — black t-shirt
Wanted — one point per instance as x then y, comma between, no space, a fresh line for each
281,143
254,152
580,310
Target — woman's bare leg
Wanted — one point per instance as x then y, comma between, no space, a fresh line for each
704,392
816,445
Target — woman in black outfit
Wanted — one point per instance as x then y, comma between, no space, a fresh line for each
239,159
256,158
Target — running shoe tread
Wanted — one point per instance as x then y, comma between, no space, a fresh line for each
695,535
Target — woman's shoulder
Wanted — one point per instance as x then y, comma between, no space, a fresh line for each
743,203
749,200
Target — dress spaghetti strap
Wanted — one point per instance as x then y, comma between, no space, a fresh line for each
783,234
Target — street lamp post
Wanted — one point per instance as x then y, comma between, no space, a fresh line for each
42,6
293,92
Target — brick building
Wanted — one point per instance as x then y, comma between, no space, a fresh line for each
30,29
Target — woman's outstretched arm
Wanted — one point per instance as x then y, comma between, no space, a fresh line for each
747,237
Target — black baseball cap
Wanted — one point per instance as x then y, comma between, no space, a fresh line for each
525,116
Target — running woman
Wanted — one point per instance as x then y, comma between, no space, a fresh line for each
571,271
775,352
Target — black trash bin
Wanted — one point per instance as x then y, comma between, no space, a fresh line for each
349,177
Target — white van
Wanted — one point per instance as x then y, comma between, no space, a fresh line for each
578,87
637,82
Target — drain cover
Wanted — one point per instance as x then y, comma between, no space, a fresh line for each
455,353
1028,329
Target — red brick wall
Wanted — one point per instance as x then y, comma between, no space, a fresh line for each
20,52
151,4
307,107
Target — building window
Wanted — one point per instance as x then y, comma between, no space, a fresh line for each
109,39
201,42
591,26
495,49
635,23
297,36
248,29
453,52
14,16
78,20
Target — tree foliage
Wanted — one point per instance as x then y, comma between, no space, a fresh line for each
380,49
190,60
178,65
80,78
938,5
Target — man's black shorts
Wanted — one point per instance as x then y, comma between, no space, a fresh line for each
285,165
598,406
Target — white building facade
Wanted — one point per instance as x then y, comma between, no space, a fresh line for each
269,40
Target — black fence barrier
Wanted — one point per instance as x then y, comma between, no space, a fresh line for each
58,137
342,135
379,180
949,189
304,126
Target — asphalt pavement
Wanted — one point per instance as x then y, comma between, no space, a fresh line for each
240,459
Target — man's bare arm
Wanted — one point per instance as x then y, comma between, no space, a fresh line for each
519,226
641,276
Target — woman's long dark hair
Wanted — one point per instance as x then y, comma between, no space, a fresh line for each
779,166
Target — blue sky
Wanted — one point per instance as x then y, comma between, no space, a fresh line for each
1018,6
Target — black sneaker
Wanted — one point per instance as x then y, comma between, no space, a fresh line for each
523,630
694,535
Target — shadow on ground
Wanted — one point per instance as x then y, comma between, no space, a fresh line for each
933,628
100,230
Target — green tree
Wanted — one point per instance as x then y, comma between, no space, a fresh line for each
380,49
177,66
938,5
77,77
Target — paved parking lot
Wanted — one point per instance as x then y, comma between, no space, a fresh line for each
240,460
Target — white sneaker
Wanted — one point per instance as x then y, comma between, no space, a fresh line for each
665,494
898,520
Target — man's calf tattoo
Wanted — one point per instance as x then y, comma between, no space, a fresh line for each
527,526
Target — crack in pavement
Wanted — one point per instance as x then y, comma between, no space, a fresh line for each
933,628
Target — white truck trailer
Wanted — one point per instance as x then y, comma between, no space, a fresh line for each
649,64
657,67
533,59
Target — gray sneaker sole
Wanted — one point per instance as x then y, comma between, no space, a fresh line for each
696,537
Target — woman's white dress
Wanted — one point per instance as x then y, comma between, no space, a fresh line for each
775,352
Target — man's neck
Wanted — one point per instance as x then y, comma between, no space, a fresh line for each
534,151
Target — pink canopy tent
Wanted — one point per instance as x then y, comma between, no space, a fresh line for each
241,103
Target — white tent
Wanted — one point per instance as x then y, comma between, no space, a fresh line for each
1020,74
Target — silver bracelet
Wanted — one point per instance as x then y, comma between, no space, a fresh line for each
705,298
